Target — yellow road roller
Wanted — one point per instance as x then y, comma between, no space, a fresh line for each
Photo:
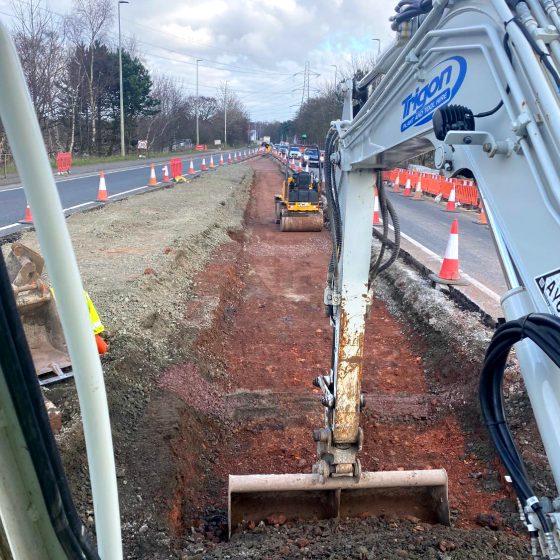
298,207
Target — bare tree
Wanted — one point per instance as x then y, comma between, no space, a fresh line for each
90,19
39,42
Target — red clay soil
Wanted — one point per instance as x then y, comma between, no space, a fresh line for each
274,338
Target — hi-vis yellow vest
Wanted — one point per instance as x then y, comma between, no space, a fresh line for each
93,315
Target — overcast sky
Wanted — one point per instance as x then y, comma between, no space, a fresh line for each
257,46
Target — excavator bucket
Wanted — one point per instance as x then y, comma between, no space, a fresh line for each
298,221
422,494
38,313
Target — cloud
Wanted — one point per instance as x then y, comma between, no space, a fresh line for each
257,46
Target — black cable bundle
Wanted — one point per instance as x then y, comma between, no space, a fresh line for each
387,210
408,9
544,331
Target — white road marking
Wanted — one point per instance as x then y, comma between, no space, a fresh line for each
78,205
129,191
9,226
476,283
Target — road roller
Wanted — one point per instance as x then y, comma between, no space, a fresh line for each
298,208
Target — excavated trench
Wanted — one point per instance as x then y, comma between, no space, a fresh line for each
247,406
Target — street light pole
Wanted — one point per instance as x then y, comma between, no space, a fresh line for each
196,105
225,115
335,72
378,48
123,152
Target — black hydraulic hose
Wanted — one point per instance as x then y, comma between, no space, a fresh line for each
334,192
396,237
331,209
387,210
409,9
374,265
544,331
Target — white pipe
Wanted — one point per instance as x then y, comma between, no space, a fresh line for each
545,21
20,122
552,10
533,69
532,19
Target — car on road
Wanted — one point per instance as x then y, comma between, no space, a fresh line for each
294,152
311,155
283,150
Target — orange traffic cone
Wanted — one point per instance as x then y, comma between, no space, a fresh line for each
153,181
212,162
221,159
418,191
28,219
102,191
165,174
449,272
482,219
397,185
450,206
407,188
376,220
203,166
292,164
229,158
191,168
102,347
307,167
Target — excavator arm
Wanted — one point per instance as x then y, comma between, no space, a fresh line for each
478,82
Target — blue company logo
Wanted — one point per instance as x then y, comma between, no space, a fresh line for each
419,106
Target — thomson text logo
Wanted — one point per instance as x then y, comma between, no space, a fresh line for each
447,78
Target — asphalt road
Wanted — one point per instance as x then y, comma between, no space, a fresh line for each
77,193
426,223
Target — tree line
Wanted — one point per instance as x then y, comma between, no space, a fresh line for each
71,66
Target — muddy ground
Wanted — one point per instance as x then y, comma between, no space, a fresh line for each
216,330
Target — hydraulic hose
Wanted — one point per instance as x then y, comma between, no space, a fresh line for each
544,331
387,210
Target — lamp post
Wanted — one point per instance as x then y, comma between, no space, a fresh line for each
123,153
196,105
378,48
225,115
335,72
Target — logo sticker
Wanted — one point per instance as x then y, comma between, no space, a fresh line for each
549,285
448,77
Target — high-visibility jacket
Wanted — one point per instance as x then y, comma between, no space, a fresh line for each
93,315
